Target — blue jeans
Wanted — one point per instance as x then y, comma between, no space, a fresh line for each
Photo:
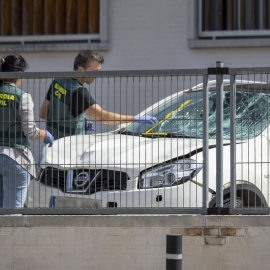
14,181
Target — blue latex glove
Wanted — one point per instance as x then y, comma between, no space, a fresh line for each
88,125
146,119
49,138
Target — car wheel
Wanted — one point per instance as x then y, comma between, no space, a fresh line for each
246,196
246,200
227,201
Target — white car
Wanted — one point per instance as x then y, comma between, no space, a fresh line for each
141,165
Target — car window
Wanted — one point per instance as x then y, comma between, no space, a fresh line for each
184,116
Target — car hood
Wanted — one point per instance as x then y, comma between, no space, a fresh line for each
130,154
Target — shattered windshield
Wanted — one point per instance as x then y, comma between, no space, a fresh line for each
183,116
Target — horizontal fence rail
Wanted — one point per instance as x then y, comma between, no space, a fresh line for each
208,153
104,74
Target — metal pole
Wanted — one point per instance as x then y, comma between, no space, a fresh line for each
232,139
219,139
205,141
174,252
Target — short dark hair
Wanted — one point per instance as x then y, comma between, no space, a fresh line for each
85,56
13,63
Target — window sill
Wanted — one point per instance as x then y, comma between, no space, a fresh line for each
54,47
228,43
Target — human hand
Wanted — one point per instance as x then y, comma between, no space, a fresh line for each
89,125
49,138
146,119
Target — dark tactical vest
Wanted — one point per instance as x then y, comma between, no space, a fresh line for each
11,133
60,121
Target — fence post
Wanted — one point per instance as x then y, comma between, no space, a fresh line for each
232,139
205,142
174,252
219,71
219,139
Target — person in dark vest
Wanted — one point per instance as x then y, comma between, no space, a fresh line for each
17,126
67,102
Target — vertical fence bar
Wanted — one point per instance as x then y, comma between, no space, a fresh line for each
238,15
232,139
260,15
205,141
219,139
200,17
268,12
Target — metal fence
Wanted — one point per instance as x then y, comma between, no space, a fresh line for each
208,154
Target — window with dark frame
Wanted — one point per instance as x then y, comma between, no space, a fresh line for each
224,18
48,17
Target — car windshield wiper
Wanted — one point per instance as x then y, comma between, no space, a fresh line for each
152,135
180,135
127,132
158,135
167,135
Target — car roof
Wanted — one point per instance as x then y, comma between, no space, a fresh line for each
226,84
247,85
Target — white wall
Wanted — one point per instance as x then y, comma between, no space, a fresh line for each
150,34
153,34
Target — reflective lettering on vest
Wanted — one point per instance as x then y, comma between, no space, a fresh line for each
6,96
3,102
60,90
3,98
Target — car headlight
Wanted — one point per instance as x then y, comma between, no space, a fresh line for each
175,173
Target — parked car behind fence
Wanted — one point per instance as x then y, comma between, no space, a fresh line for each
144,166
209,151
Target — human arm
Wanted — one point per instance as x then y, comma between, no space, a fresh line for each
43,113
30,130
82,101
109,118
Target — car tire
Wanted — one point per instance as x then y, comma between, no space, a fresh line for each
246,196
239,202
227,201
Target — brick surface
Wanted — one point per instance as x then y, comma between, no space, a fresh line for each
123,248
263,266
177,231
212,240
6,231
190,241
227,231
195,232
243,232
134,258
6,253
21,253
21,266
211,231
7,266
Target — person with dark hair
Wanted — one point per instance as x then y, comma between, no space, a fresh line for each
17,126
67,102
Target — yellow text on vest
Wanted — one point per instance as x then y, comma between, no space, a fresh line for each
3,98
60,91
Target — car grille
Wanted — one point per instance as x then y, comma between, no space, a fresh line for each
99,180
53,177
